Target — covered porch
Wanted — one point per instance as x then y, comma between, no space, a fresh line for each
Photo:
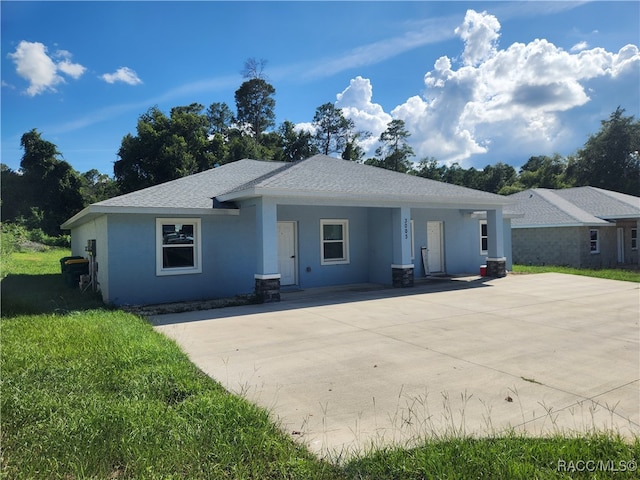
301,246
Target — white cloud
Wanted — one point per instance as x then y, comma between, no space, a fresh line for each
479,31
123,74
74,70
497,100
578,47
355,102
40,70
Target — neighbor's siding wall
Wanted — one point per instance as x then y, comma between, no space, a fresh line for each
566,246
94,230
548,246
608,256
228,260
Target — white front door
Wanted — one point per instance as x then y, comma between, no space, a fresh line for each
620,242
287,253
435,263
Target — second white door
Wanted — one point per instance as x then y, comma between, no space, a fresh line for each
435,262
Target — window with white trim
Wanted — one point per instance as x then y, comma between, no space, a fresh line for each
634,239
334,242
594,241
178,246
484,238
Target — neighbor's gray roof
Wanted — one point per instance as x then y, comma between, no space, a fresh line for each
604,204
580,206
319,178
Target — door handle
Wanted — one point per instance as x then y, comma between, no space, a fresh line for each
293,256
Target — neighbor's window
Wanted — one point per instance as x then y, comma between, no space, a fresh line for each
484,238
334,242
178,246
634,239
594,241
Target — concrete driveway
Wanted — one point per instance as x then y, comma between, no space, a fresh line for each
342,370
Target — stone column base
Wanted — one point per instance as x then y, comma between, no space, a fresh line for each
268,288
497,267
402,276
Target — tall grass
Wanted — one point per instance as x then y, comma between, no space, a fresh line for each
99,394
597,456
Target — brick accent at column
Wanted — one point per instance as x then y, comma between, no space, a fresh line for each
402,277
496,267
268,289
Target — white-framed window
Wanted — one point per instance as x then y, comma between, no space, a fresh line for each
334,242
634,239
594,241
484,238
178,246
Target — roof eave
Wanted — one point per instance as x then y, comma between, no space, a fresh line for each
93,211
629,216
563,225
345,198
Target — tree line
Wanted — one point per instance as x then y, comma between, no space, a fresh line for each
47,190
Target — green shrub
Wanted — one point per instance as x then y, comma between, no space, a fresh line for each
17,237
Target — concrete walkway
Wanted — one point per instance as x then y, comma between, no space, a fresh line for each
342,370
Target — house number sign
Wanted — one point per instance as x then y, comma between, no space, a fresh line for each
406,228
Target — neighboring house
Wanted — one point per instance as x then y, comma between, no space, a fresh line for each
262,226
583,227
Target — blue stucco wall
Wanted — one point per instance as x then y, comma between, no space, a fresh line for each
461,240
228,261
127,272
311,272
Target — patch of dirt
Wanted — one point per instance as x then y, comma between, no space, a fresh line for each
33,246
179,307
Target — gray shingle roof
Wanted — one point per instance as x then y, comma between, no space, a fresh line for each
602,203
586,206
322,175
318,177
198,190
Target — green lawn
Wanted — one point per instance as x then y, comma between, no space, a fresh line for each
608,273
89,392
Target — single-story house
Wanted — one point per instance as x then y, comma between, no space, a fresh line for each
257,226
582,227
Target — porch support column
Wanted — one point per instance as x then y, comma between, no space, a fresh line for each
496,261
402,266
267,277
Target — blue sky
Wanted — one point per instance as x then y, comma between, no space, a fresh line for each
475,82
